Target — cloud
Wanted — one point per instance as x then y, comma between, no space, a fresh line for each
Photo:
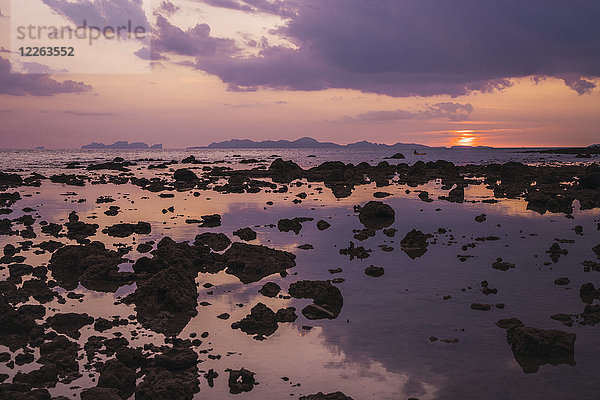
450,111
193,42
275,7
167,7
100,12
36,85
416,48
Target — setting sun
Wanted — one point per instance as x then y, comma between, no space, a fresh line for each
464,138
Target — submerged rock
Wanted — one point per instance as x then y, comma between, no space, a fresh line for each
355,252
69,323
294,224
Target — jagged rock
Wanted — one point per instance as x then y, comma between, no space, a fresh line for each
374,271
322,225
502,265
330,396
184,175
355,252
116,375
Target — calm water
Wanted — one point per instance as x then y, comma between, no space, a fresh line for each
378,347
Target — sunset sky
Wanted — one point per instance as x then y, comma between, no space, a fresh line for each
462,72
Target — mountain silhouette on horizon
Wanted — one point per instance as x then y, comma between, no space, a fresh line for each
302,143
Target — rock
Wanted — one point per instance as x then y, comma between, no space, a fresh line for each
533,347
241,381
69,323
355,252
250,263
124,230
480,218
323,225
216,241
562,281
102,324
62,354
330,396
23,358
294,224
45,376
210,221
184,175
397,156
327,299
270,289
167,301
92,264
98,393
376,215
596,249
456,195
381,195
481,307
501,265
306,246
390,232
285,171
246,234
116,375
286,314
374,271
78,230
261,321
144,248
414,244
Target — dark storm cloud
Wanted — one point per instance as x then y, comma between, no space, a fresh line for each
448,110
424,47
33,84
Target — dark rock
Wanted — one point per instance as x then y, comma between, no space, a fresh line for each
330,396
210,221
562,281
184,175
241,381
270,289
144,248
480,218
294,224
376,215
250,263
286,314
261,321
246,234
322,225
502,265
116,375
167,301
374,271
124,230
216,241
327,299
100,393
414,244
69,323
355,252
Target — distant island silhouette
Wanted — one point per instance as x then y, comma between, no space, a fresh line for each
302,143
121,145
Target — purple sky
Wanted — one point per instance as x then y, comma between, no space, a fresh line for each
516,73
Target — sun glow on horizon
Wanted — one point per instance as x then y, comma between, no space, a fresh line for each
464,138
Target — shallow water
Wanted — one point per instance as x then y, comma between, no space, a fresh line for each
378,347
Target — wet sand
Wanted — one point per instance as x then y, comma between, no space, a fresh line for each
383,280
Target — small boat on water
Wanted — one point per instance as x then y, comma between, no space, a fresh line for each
418,154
